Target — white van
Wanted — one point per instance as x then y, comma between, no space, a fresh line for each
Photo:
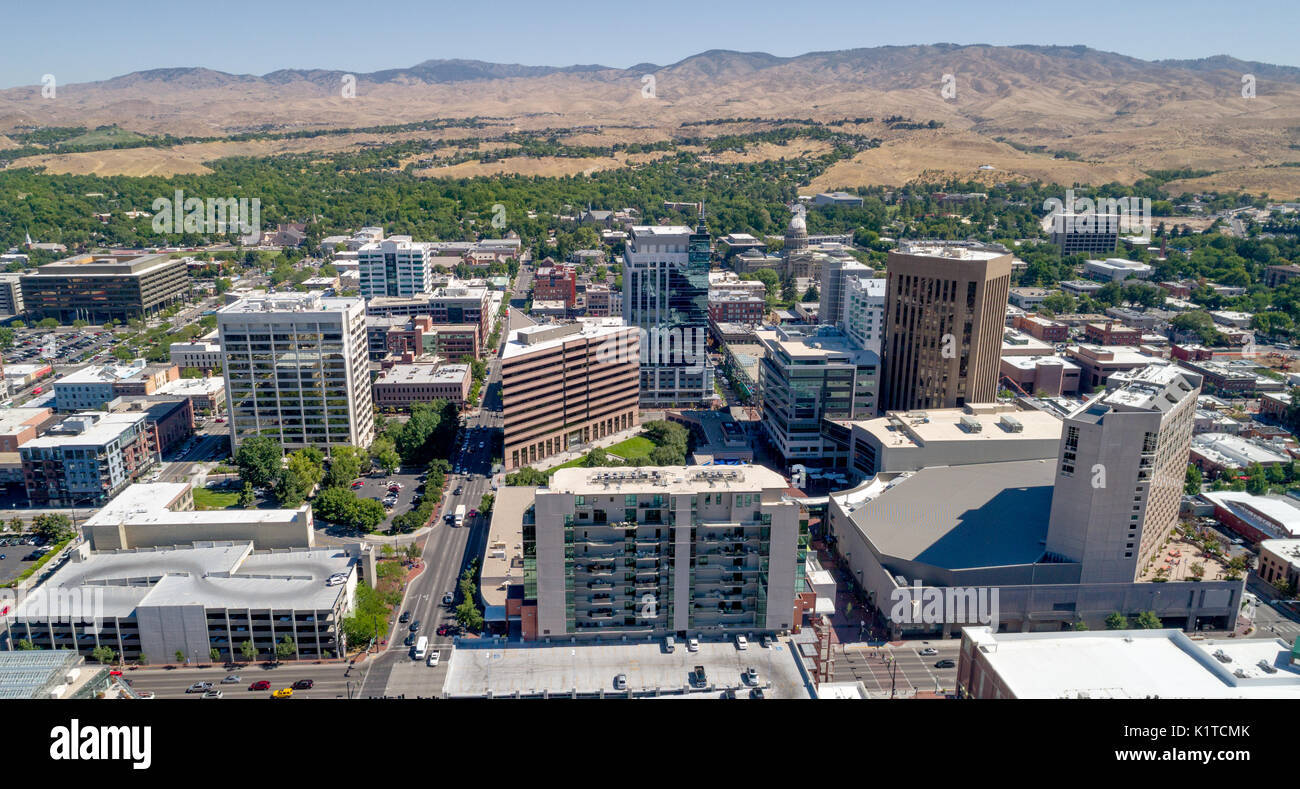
421,647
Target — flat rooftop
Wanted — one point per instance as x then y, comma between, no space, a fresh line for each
423,374
505,543
1233,451
665,479
104,265
902,428
1136,664
590,668
988,514
109,427
14,419
545,336
1032,362
289,302
194,386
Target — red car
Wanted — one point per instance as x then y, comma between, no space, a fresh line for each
261,684
115,673
358,483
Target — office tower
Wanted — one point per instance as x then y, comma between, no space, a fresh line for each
396,266
563,387
945,310
99,288
666,282
295,369
808,377
1088,233
1119,482
836,273
674,549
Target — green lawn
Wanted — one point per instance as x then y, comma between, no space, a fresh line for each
636,446
208,499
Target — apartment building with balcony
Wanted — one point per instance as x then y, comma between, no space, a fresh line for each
87,459
295,370
686,550
563,387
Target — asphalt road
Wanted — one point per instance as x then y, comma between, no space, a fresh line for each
330,680
447,550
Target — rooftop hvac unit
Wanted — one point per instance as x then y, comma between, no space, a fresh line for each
971,424
1011,424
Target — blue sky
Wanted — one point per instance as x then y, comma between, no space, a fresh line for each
85,40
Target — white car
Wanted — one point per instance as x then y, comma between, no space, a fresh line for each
742,642
434,657
692,645
928,651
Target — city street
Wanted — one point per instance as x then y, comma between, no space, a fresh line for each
329,679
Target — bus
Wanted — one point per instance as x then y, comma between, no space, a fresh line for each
421,648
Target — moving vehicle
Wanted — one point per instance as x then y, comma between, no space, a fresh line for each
212,694
199,687
283,693
405,617
261,684
448,598
929,651
458,517
421,648
434,657
304,684
232,679
945,664
415,626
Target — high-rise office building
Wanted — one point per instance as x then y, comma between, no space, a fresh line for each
396,266
295,369
673,549
863,319
563,387
1089,233
1120,479
666,282
810,375
945,311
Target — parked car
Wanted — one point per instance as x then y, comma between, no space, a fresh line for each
750,676
620,682
766,641
742,642
692,645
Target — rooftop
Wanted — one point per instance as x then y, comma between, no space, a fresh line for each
665,479
543,336
503,559
89,428
1227,449
1276,515
1130,664
104,265
289,302
423,374
902,428
989,514
214,575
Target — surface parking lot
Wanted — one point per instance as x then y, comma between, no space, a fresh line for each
15,561
590,669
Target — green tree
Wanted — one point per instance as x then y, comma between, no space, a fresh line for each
1116,621
103,654
248,651
214,654
247,498
180,656
1147,620
1080,625
302,472
48,323
54,527
285,648
6,337
1256,482
345,466
24,645
1192,481
384,452
259,461
485,503
527,477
